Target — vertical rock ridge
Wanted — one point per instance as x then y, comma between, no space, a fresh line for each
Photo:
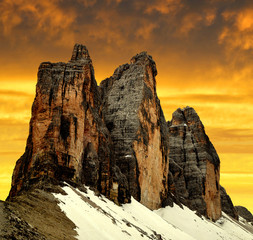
68,139
192,150
115,139
135,120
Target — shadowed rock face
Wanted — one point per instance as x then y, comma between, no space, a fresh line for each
245,213
68,139
194,164
138,129
227,204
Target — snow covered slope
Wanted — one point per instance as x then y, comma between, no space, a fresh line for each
97,218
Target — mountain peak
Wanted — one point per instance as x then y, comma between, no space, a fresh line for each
144,59
115,138
80,53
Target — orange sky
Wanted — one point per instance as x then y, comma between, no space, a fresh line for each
203,50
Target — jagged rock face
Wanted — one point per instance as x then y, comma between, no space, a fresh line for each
245,213
115,138
227,204
68,139
138,129
194,164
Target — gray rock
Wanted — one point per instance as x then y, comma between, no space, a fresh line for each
194,164
245,213
138,129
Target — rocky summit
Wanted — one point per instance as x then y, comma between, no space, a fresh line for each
68,139
114,138
135,120
194,163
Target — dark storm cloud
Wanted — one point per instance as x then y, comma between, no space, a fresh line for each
193,34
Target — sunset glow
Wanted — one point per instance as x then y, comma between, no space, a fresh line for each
203,51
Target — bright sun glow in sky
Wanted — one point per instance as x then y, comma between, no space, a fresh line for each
204,55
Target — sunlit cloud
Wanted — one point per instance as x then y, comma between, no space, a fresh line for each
203,52
145,31
238,32
37,17
189,22
210,16
164,6
88,3
14,93
211,98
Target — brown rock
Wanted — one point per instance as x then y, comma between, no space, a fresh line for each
68,140
115,139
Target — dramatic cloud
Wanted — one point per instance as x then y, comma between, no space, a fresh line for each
238,29
164,6
202,48
35,16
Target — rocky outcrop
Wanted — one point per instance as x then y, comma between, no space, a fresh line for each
245,213
35,215
194,164
115,139
68,140
14,227
227,204
134,117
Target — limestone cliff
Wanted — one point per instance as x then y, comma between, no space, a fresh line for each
138,129
194,164
68,140
115,139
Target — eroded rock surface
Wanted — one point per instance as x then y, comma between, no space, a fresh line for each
68,140
13,226
35,215
194,164
115,139
134,117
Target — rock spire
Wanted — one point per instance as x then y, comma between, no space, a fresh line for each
114,138
194,163
68,139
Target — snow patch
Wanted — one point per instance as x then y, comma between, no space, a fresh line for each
99,218
199,228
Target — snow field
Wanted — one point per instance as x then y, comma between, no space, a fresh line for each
97,218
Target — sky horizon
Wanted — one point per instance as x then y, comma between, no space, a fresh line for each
203,50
